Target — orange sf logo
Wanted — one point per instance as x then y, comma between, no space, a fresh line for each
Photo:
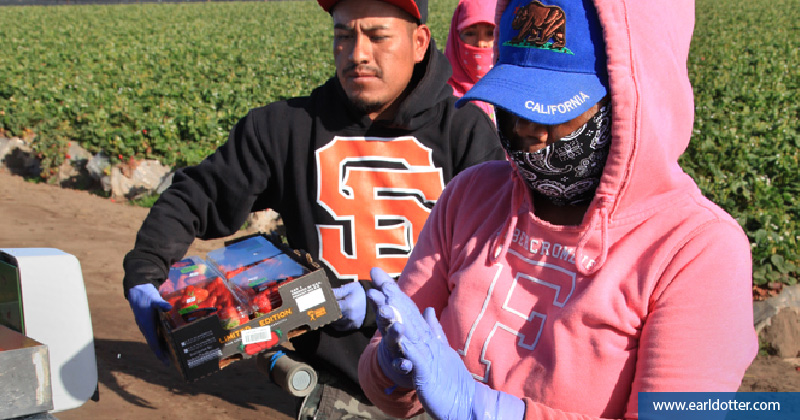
380,191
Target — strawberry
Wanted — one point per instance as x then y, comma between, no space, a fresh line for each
188,300
274,338
201,294
174,300
261,304
231,317
253,348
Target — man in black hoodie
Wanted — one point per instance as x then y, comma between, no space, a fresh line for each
353,169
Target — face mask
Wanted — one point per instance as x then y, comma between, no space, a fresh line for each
568,171
476,61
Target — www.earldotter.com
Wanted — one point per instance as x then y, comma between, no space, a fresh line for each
717,405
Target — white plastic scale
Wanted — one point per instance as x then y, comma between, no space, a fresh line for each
46,338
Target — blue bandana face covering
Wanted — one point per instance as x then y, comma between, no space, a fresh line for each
568,171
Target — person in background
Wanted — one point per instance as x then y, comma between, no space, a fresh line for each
470,46
353,169
589,267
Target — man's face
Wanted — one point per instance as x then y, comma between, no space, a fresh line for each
376,46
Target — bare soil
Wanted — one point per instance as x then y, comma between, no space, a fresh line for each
132,382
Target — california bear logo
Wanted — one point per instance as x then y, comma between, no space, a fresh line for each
537,24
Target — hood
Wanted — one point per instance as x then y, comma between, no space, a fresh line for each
652,101
468,12
653,113
427,88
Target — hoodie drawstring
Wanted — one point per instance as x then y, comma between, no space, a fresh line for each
502,240
602,214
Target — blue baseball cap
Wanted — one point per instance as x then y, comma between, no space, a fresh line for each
552,62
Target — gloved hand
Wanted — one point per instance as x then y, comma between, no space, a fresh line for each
444,385
352,300
388,319
145,300
415,343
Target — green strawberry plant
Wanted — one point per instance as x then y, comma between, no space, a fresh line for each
169,81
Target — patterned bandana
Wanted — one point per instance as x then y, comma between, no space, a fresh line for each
568,171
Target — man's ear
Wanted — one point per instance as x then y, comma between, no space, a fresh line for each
422,38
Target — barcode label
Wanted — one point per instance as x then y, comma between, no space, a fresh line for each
256,335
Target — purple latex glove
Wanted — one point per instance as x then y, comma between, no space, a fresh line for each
445,387
352,302
415,343
145,301
393,311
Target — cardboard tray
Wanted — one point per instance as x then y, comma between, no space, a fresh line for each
203,347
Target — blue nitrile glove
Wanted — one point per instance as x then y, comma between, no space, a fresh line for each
391,361
390,358
444,385
392,309
145,301
352,300
387,294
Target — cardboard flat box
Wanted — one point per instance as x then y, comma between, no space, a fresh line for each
203,346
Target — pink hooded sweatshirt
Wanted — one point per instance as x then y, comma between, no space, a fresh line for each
464,59
652,292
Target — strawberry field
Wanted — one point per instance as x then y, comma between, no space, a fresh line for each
167,82
744,66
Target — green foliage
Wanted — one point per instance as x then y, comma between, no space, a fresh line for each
744,152
765,348
159,81
146,201
168,81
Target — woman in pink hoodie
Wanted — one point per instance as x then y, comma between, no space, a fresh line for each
470,46
589,267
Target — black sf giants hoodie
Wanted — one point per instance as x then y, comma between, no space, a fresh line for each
352,192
